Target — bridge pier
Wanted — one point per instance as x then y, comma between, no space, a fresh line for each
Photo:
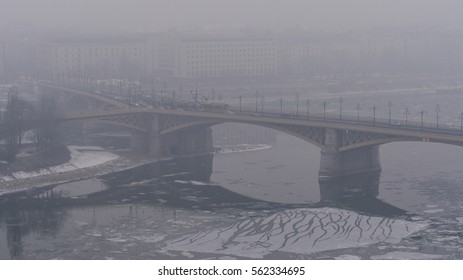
335,163
191,141
154,137
138,141
197,140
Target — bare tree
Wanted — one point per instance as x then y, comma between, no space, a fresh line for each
46,132
13,124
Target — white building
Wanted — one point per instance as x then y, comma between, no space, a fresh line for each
99,59
2,62
217,57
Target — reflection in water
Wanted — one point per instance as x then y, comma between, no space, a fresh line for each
13,234
364,184
301,231
44,212
21,220
183,183
357,192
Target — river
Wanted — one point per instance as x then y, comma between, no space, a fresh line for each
254,204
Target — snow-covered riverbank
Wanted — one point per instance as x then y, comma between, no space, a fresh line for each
87,162
225,149
81,157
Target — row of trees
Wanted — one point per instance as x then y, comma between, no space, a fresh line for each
21,116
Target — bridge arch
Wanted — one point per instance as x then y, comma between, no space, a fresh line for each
312,135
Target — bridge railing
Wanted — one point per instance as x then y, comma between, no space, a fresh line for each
257,110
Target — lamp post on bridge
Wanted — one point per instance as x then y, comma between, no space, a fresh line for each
389,106
324,109
262,105
257,97
240,104
374,114
422,112
297,104
307,104
358,108
340,100
406,113
461,123
281,106
437,109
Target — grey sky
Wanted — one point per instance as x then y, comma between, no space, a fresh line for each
149,15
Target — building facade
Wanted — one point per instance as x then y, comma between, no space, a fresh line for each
2,62
209,57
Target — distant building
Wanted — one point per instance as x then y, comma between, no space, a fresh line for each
2,62
104,58
201,57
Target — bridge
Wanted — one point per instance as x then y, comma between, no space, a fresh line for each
349,144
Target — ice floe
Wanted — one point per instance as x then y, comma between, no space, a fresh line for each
301,231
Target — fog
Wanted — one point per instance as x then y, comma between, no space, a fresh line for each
155,15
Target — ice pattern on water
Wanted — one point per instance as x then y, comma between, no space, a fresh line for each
301,231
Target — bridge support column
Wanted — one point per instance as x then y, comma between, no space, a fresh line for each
334,163
154,137
192,141
138,141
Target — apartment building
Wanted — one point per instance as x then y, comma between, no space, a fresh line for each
107,58
2,62
199,57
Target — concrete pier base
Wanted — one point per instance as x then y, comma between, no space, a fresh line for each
192,141
138,141
350,186
352,162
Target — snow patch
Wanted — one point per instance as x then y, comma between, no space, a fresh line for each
400,255
433,211
196,183
81,157
242,148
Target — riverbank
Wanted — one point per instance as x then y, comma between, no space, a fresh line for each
81,166
94,163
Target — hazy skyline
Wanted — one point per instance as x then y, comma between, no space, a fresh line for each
155,15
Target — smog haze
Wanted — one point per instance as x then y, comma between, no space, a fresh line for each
156,15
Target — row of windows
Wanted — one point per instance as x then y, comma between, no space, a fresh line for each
230,55
221,45
263,66
96,49
227,61
230,72
230,50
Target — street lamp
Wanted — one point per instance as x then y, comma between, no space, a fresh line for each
374,114
257,96
406,113
340,100
281,106
324,109
357,107
461,123
297,104
389,106
422,112
437,108
307,104
262,105
240,104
